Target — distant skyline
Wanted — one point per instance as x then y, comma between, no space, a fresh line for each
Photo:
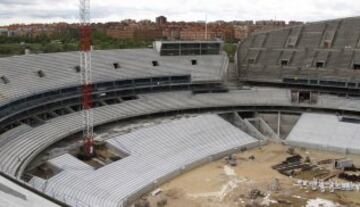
48,11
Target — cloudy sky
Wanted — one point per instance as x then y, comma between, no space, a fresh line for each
27,11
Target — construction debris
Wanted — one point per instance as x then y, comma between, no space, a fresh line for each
103,155
325,162
291,151
162,202
156,192
44,171
229,171
231,160
350,177
332,175
291,164
275,185
255,193
143,202
284,202
252,157
318,202
328,186
353,169
293,159
251,185
343,163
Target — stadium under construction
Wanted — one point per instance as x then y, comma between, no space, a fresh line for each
181,112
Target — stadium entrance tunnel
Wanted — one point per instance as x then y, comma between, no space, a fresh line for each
320,64
284,62
356,66
304,96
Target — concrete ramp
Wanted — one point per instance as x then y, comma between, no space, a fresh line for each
280,123
263,127
244,125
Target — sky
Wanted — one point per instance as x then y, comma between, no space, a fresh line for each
48,11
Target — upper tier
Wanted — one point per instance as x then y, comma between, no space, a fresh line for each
320,51
27,75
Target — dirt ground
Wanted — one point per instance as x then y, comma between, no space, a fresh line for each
219,185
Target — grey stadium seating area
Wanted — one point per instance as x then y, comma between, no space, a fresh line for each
21,76
156,154
19,151
318,54
333,134
35,84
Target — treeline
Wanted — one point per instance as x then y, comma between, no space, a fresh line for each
69,41
61,42
230,49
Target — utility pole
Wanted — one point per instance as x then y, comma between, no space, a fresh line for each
206,27
86,77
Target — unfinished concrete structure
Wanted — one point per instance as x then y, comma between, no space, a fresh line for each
40,98
320,54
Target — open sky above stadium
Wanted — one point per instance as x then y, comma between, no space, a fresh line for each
41,11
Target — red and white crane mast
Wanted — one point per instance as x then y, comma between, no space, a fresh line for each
86,77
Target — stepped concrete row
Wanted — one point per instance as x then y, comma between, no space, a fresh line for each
328,50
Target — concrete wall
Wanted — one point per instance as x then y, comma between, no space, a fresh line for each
287,122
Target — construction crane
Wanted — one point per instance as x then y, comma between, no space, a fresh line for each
86,77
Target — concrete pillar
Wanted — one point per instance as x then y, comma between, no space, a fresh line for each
53,114
70,109
279,125
103,102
